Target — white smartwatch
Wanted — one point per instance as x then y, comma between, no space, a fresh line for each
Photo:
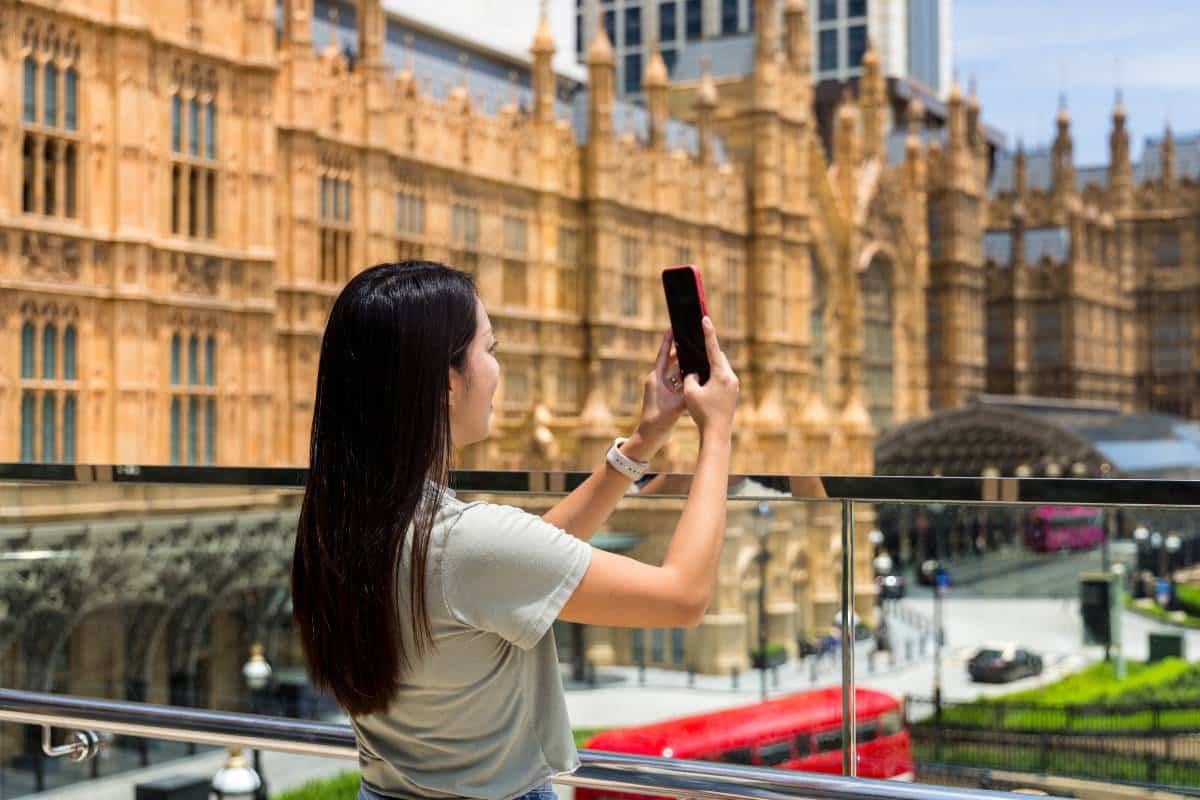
634,470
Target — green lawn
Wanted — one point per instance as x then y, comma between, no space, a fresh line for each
1155,612
1167,682
343,786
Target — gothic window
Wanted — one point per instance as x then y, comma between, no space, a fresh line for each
631,256
176,428
733,293
195,183
50,100
176,123
1166,247
335,229
464,236
29,106
570,265
49,350
50,122
410,224
49,439
1047,336
516,253
71,90
878,353
197,396
28,423
49,387
28,343
816,323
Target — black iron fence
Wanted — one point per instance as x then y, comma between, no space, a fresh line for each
1017,717
1161,759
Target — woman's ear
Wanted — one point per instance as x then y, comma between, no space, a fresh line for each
454,384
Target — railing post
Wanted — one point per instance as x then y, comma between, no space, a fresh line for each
849,714
1045,755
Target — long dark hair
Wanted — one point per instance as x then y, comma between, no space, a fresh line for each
380,427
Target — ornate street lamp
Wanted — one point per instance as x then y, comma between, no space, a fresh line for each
762,519
257,673
236,779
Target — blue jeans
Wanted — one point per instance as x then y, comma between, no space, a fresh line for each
543,792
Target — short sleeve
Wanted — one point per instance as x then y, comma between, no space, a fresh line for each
510,572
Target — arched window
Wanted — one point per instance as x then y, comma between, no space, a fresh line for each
878,355
28,345
176,357
49,350
175,431
69,353
194,128
69,429
69,180
816,324
193,360
29,106
28,412
346,198
49,173
71,89
210,361
50,95
210,430
28,174
193,429
48,438
210,129
176,124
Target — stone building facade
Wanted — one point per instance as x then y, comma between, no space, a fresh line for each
189,186
1093,272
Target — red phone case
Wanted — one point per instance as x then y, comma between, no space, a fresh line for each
699,283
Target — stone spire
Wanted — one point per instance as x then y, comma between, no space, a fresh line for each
974,128
766,52
655,83
297,22
1168,156
1020,172
543,50
1063,172
1120,170
706,105
846,150
873,101
956,121
371,27
797,36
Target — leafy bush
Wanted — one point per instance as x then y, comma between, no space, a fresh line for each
343,786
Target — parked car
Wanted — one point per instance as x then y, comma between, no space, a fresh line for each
891,586
1003,662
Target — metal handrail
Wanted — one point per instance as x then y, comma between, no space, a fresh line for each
1126,492
612,771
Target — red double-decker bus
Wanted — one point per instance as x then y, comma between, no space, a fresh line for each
1051,528
800,732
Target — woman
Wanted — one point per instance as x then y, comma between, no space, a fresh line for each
426,616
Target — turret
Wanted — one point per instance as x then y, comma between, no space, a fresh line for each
706,105
655,83
874,104
1120,171
1063,171
543,72
1168,157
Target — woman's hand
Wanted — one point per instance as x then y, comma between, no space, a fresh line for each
662,397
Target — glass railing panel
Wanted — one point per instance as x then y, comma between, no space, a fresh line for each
991,623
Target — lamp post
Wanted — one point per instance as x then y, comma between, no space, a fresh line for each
236,779
257,673
762,518
1172,545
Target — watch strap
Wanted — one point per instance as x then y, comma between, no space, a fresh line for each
630,468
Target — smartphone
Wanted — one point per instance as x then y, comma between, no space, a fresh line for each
686,307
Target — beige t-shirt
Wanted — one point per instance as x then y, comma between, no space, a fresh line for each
482,714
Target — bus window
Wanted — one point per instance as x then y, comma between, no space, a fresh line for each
866,731
774,754
890,723
829,740
739,756
803,745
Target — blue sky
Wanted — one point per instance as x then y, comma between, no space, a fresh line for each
1024,52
